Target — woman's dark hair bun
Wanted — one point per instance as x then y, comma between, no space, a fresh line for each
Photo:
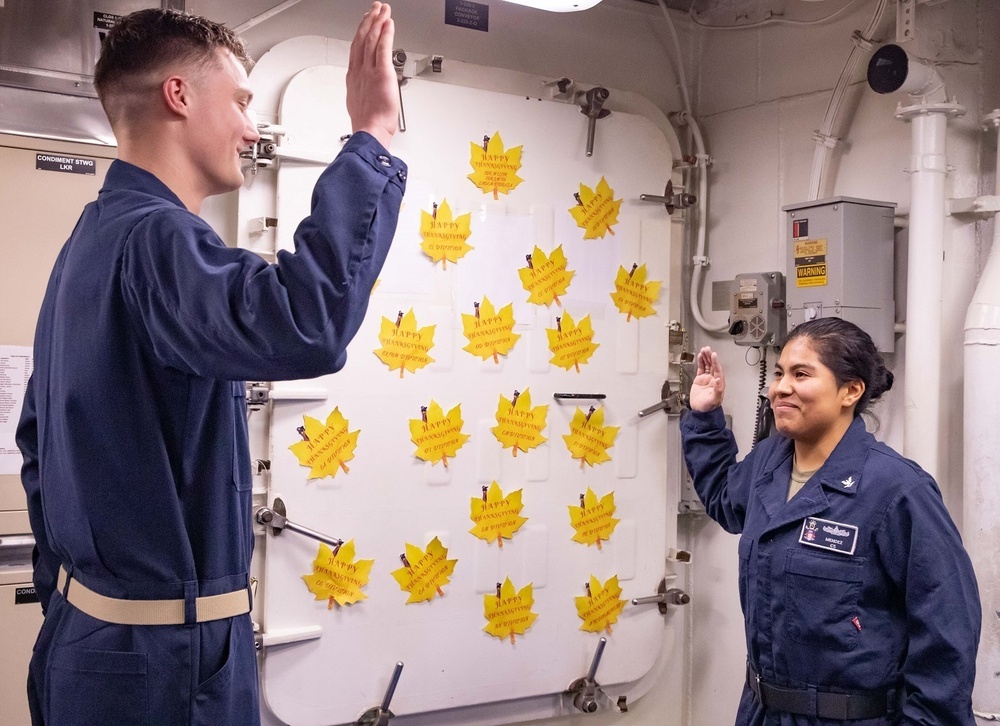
889,378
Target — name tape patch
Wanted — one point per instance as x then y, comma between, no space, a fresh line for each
828,535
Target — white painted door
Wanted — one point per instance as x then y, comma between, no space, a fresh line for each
386,497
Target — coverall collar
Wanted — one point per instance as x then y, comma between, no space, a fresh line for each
123,175
841,473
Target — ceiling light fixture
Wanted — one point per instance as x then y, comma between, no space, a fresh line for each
557,6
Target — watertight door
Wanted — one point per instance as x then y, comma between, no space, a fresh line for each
532,406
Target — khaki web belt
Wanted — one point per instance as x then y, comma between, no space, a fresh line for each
151,612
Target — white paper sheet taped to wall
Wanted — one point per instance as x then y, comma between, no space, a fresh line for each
15,368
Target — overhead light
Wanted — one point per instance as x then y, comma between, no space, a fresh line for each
892,69
557,6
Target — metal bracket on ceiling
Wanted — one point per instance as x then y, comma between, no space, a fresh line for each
906,20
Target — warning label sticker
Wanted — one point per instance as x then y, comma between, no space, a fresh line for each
810,275
810,263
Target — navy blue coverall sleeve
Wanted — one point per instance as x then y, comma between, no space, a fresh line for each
224,313
943,614
710,454
44,561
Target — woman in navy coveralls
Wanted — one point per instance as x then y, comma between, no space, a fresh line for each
860,602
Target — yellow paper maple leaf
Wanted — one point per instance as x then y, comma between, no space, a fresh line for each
495,170
596,211
490,333
325,449
571,344
594,519
495,515
423,574
445,237
519,426
509,611
546,277
337,577
437,436
588,439
600,607
633,294
403,345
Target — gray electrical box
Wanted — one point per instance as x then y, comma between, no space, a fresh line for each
840,264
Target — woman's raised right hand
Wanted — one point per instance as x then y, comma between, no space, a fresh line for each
709,385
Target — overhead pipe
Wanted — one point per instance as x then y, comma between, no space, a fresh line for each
892,69
700,258
264,16
981,526
823,136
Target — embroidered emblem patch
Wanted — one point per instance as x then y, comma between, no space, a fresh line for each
834,536
848,482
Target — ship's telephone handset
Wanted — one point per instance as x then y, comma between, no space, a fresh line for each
765,416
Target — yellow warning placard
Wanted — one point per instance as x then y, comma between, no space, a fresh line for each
810,263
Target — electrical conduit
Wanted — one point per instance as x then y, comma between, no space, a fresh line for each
700,259
825,140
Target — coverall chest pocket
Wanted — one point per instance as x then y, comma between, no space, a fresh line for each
241,466
821,599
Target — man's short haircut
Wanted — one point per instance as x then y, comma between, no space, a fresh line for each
143,45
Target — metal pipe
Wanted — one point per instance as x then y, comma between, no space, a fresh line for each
700,258
825,141
925,285
266,15
981,442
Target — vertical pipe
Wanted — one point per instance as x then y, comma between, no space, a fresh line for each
981,528
924,290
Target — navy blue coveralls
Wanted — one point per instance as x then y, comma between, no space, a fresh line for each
901,612
134,435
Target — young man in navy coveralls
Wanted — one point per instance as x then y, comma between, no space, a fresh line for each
133,430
